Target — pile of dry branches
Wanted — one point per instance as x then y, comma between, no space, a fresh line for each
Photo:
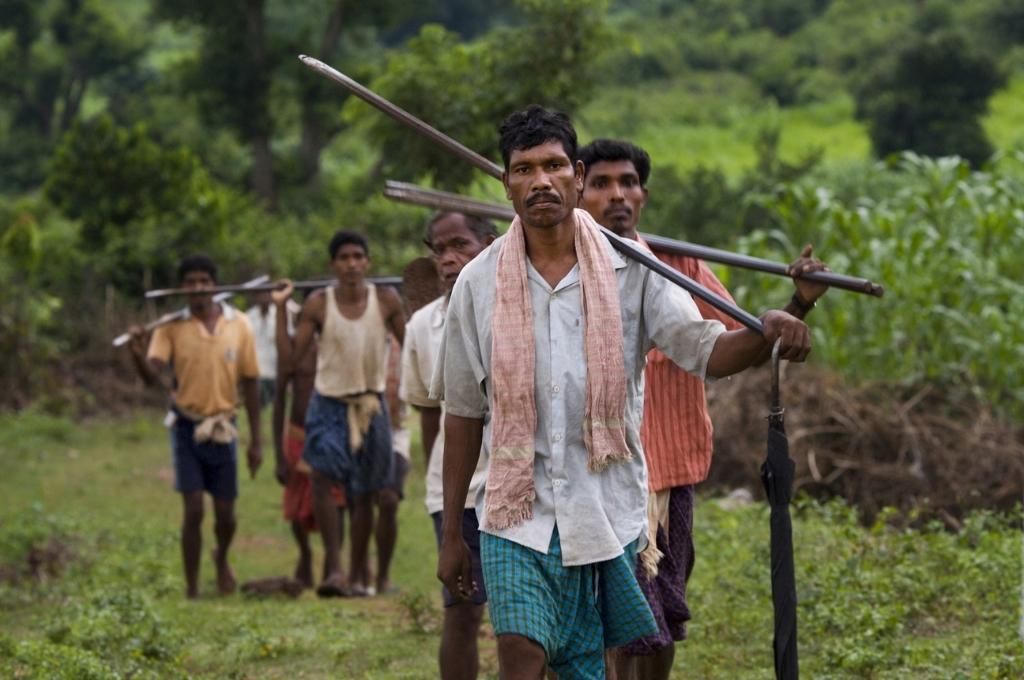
939,452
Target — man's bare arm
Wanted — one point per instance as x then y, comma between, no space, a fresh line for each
310,320
462,438
282,340
430,425
277,421
395,314
737,350
251,395
150,370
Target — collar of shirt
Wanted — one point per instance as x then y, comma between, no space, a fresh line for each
227,310
439,312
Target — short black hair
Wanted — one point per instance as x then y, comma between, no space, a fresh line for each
612,150
480,226
344,238
534,126
197,263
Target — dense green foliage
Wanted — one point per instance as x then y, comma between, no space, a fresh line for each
929,98
138,131
883,601
946,242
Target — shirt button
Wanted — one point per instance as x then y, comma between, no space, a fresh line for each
555,389
557,437
557,483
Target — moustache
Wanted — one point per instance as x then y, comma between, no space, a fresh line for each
553,198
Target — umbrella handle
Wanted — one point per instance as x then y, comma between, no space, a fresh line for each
776,405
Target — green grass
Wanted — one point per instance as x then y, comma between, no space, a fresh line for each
878,602
1005,120
714,118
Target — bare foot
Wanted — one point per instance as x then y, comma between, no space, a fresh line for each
304,571
226,584
385,587
332,586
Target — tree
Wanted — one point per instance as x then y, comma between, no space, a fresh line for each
54,53
140,206
466,89
230,76
928,97
247,59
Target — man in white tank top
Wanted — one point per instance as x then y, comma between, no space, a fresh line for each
348,436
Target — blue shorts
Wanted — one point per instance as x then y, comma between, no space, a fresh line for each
471,535
209,466
327,449
574,613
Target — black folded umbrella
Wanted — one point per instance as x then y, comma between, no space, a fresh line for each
777,476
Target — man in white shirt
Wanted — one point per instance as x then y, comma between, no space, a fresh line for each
454,239
545,338
263,319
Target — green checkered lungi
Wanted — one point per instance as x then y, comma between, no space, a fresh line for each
574,613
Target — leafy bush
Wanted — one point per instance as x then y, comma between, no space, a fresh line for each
876,602
946,244
120,624
42,660
928,98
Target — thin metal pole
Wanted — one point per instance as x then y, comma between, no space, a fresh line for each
443,200
167,318
625,247
277,285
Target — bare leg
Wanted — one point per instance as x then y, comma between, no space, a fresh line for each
520,658
224,528
386,535
656,666
192,540
327,518
459,655
304,567
361,517
341,539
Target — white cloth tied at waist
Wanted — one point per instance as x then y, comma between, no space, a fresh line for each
218,428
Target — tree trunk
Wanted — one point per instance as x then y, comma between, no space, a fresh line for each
316,131
261,176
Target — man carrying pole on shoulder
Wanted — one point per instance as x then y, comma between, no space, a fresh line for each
541,364
348,435
676,432
211,351
454,239
290,438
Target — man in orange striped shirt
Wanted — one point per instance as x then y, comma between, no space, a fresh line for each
676,430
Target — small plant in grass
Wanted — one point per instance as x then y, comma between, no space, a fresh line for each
420,612
121,625
34,659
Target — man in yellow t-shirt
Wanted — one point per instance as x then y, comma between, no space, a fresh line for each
211,351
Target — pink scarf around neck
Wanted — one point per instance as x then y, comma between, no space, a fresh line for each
510,489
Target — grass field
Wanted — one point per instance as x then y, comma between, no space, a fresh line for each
876,602
714,119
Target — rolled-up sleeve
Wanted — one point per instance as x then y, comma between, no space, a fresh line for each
675,326
459,374
414,387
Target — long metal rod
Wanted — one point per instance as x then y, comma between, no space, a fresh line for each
624,246
169,317
244,288
403,116
444,200
674,247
